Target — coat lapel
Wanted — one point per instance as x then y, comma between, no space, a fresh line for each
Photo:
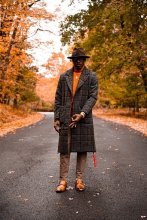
83,78
69,79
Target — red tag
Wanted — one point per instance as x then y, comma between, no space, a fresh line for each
94,159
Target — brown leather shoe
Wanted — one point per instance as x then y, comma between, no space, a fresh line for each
62,186
79,185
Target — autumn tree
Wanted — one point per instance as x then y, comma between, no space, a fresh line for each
57,64
114,34
16,19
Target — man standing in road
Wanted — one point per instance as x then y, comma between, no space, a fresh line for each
76,95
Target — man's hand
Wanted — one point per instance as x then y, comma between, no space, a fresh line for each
75,118
73,124
57,126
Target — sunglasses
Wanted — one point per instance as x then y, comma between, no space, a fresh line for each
78,58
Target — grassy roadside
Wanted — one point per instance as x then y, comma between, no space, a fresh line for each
138,122
11,119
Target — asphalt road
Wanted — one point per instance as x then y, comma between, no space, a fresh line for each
29,169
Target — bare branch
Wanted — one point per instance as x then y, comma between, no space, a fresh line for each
39,29
33,3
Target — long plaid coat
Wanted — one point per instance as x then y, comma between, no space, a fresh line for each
81,138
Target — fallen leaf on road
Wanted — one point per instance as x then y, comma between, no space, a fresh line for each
69,187
109,147
70,199
11,171
21,139
19,196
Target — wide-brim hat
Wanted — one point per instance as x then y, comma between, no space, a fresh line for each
78,52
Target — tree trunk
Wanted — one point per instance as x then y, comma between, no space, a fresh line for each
15,102
8,52
143,72
137,103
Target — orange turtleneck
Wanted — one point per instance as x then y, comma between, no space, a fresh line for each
76,77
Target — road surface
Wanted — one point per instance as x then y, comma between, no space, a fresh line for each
29,170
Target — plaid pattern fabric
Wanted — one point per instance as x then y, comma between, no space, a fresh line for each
81,138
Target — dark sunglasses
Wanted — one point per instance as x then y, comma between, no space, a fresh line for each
78,58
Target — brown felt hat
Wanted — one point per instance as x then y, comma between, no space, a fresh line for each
78,52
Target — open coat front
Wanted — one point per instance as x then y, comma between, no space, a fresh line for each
80,138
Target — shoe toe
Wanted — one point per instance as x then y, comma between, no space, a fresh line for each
79,185
61,187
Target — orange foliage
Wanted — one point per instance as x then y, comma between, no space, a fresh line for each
16,17
46,88
11,119
57,64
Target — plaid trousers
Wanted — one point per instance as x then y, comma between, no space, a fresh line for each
80,165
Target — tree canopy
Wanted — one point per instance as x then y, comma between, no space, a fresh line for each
17,76
114,34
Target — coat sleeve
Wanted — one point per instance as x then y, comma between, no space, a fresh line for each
93,92
58,100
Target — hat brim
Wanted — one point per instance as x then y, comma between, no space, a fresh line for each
72,57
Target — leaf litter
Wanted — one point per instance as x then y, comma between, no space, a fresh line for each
121,117
12,119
